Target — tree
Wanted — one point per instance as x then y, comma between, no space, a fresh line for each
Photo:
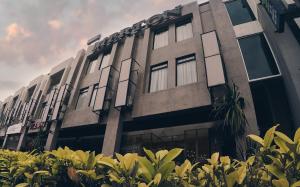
229,108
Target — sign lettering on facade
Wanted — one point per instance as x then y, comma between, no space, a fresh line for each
139,27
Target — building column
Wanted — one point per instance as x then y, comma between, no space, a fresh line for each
113,133
114,128
4,142
52,136
22,138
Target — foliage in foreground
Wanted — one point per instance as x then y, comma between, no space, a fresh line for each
276,163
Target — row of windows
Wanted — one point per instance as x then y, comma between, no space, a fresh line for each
183,31
185,73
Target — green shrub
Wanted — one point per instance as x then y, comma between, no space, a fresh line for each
276,163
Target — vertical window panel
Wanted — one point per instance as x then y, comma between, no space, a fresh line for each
94,94
160,39
186,70
214,71
184,31
91,67
105,61
159,77
81,98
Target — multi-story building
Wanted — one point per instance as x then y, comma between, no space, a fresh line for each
153,84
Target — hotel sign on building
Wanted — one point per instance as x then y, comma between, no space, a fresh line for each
137,28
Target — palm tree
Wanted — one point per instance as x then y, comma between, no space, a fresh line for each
229,108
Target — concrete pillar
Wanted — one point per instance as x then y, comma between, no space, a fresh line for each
113,131
4,142
22,138
52,136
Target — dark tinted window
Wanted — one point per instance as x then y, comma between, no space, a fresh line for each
258,57
239,12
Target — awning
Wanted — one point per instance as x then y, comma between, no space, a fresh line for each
14,129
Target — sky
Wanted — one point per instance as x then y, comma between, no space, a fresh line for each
35,35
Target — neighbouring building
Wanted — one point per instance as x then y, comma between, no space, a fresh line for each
153,84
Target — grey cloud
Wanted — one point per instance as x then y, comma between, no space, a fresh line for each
81,19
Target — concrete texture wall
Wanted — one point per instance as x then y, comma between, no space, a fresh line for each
233,60
286,49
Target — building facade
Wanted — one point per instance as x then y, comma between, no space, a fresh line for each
153,84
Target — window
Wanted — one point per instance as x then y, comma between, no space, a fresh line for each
259,62
92,66
276,11
186,70
160,39
94,94
239,12
158,79
105,60
81,98
184,31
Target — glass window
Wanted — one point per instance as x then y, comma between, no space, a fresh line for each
81,98
94,94
159,76
259,62
184,31
239,12
91,67
160,39
186,70
105,60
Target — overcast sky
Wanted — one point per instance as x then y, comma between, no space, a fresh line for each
35,35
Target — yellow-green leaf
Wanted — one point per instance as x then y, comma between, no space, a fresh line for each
268,138
284,137
157,179
241,174
297,136
256,139
171,155
214,158
296,184
280,183
275,171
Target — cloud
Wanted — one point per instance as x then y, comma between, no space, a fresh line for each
14,30
40,34
55,24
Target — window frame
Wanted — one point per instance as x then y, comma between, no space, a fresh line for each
156,67
252,15
81,92
182,23
186,59
88,69
159,31
95,91
272,52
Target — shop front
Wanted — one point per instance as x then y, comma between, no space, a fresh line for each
13,136
197,140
